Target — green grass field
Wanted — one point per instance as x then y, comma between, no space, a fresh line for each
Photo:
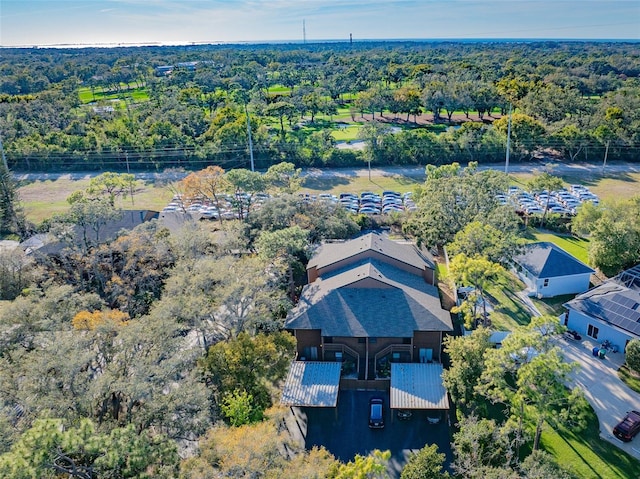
348,133
588,456
43,199
279,89
577,247
129,91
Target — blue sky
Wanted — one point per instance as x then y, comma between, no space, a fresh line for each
58,22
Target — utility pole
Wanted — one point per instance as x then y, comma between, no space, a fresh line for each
246,112
126,157
506,163
304,32
604,163
4,158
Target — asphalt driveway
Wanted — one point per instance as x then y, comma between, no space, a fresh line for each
345,432
607,394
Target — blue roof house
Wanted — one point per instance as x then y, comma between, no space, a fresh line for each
610,311
549,271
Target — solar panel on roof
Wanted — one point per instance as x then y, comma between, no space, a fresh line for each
624,301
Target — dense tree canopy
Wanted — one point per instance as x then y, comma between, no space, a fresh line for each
114,109
614,231
452,197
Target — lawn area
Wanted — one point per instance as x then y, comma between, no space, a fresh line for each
43,199
630,379
357,184
586,455
279,89
509,311
129,91
552,306
576,247
346,133
582,453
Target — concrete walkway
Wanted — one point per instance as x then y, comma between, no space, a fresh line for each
526,300
607,394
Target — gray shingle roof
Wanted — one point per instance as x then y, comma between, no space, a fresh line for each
613,303
370,300
546,260
127,220
330,253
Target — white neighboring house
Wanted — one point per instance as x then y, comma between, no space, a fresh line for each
549,271
609,312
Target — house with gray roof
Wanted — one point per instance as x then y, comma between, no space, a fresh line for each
370,302
84,236
610,311
550,271
336,255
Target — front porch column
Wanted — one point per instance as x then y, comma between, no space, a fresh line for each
366,355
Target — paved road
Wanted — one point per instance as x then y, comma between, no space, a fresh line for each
607,394
573,169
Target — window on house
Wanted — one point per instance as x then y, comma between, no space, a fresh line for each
546,283
328,339
592,331
373,340
406,340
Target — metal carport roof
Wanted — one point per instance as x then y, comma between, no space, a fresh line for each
312,384
417,386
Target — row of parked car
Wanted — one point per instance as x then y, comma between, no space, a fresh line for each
229,207
563,202
371,203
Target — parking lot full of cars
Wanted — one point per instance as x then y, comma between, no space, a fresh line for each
234,207
562,202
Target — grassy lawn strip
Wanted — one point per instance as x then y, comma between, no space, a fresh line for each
630,379
588,456
577,247
356,184
43,199
509,312
552,306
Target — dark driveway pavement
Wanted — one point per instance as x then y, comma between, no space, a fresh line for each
345,432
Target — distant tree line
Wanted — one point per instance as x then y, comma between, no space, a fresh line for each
579,100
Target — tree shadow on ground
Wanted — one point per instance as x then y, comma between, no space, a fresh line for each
325,183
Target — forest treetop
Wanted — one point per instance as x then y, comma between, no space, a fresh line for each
98,108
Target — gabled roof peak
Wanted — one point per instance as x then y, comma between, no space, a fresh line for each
335,252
